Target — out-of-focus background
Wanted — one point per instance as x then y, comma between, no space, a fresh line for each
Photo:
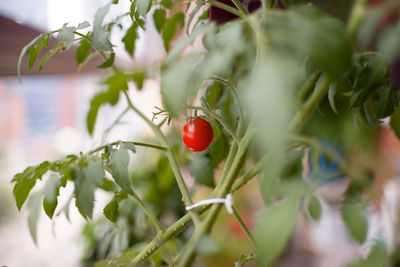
43,117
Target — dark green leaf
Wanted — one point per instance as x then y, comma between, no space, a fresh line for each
387,101
119,161
314,208
49,55
395,122
82,52
51,191
108,63
274,230
159,18
169,29
202,171
353,214
108,185
88,179
130,39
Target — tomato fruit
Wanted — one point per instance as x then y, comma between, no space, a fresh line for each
197,134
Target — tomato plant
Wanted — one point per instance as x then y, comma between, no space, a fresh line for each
278,84
197,134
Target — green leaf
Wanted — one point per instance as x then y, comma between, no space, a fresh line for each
101,41
111,210
49,55
23,52
199,5
83,25
320,38
115,83
274,229
387,101
25,181
143,6
314,208
169,28
331,97
34,212
88,179
138,77
129,146
130,39
159,19
99,17
175,87
108,63
353,214
182,42
51,191
119,161
219,147
395,122
166,3
202,171
377,257
34,51
95,105
82,52
66,36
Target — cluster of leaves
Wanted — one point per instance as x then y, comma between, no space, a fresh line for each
251,70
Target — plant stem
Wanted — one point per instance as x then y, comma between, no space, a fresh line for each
189,254
184,221
308,108
171,158
225,7
157,224
356,15
241,9
214,115
244,228
128,142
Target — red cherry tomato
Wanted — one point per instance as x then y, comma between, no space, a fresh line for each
197,134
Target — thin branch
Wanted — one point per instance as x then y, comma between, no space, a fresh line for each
244,228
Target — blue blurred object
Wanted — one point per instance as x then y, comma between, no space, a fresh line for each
320,170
